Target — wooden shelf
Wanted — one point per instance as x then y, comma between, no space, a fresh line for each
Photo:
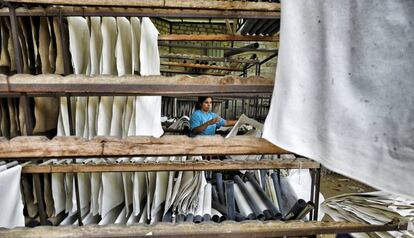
216,37
146,85
245,229
173,166
151,8
28,147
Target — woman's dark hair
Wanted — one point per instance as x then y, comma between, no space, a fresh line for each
200,101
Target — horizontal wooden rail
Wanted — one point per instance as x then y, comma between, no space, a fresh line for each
216,37
200,66
173,166
25,147
248,229
209,58
152,8
176,71
147,85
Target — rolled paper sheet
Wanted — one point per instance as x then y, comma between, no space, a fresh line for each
250,200
206,217
167,216
274,211
56,220
296,209
255,195
217,216
278,189
207,202
220,188
180,218
305,211
222,209
230,203
242,204
189,217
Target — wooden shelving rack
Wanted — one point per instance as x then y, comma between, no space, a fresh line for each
35,148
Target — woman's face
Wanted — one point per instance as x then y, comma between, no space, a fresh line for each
207,105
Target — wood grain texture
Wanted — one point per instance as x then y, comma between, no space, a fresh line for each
247,229
132,84
189,4
173,166
169,145
216,37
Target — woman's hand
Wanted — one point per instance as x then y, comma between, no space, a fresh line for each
214,120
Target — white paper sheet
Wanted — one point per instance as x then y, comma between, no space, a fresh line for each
344,89
11,205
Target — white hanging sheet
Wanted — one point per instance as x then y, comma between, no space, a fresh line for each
344,89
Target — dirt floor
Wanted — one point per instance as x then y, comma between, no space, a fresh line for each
333,184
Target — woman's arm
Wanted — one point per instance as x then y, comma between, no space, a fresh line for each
202,127
230,122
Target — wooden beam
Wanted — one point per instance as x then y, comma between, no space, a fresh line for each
248,229
274,50
40,147
200,66
209,58
183,4
176,71
216,37
173,166
145,12
132,84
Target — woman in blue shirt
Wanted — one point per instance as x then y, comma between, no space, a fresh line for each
204,121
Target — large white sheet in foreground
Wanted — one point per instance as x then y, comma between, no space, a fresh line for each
344,88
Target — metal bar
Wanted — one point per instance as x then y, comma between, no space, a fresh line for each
173,71
317,190
269,58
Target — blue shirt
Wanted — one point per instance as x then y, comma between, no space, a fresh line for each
199,118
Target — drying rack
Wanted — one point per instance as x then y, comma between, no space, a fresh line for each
34,148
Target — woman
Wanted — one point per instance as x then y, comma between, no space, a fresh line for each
204,121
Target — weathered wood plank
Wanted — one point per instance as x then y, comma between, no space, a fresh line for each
169,145
200,66
216,37
264,13
248,229
183,4
173,166
132,84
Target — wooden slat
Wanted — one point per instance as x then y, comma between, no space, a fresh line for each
169,145
173,166
182,4
149,85
177,71
145,12
209,58
216,37
200,66
248,229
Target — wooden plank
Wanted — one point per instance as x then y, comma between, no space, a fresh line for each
144,12
216,37
200,66
40,147
173,166
209,58
247,229
132,84
176,71
189,4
